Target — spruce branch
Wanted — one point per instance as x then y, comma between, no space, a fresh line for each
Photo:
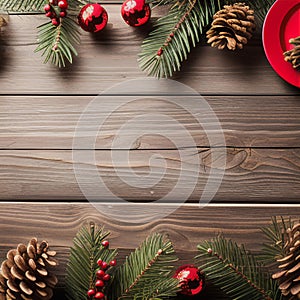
57,43
276,236
83,258
147,272
235,271
168,45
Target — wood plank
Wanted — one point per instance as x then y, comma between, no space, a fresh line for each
251,175
186,227
111,57
49,122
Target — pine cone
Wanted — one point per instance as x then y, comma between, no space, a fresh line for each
25,275
289,276
293,56
232,27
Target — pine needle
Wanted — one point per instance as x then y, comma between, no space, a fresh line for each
235,271
147,272
57,43
83,258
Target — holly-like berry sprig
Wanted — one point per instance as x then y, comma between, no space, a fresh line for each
55,10
102,277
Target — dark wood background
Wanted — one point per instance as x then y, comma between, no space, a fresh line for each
39,109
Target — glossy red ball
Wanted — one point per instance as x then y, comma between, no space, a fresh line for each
104,265
99,283
100,274
91,293
99,262
135,12
113,263
105,244
62,4
47,7
92,17
106,277
191,280
99,295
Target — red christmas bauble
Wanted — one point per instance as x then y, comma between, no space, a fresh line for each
92,17
135,12
191,280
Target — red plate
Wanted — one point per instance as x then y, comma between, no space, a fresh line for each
281,24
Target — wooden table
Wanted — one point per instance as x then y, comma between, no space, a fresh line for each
40,107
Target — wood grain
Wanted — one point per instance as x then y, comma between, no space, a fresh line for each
49,122
186,227
111,57
251,175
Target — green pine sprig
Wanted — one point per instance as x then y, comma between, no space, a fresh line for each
235,271
173,36
276,236
58,43
147,272
82,265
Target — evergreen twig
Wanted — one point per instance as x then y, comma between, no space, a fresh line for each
235,271
83,258
57,43
147,272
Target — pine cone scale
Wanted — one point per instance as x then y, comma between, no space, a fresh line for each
237,21
25,275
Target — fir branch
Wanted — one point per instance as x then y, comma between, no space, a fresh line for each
30,6
83,258
276,235
168,45
235,271
57,43
147,272
22,6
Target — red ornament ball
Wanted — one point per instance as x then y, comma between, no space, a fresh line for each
135,12
105,244
92,17
191,280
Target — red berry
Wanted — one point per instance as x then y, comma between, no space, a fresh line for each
99,283
99,295
106,277
105,244
49,14
55,21
63,14
100,274
113,263
63,4
99,262
104,265
91,293
47,7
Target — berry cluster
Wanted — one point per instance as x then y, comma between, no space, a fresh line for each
102,277
55,10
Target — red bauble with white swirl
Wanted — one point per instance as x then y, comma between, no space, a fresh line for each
93,17
135,12
191,280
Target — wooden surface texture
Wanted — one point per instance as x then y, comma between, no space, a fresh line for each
40,106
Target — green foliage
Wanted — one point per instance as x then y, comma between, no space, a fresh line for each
147,272
83,258
235,271
22,6
276,235
174,35
57,43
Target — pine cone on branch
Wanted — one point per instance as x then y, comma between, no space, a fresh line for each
232,27
293,55
289,274
24,274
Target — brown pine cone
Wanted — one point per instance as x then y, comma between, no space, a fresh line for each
25,275
289,274
293,56
232,27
